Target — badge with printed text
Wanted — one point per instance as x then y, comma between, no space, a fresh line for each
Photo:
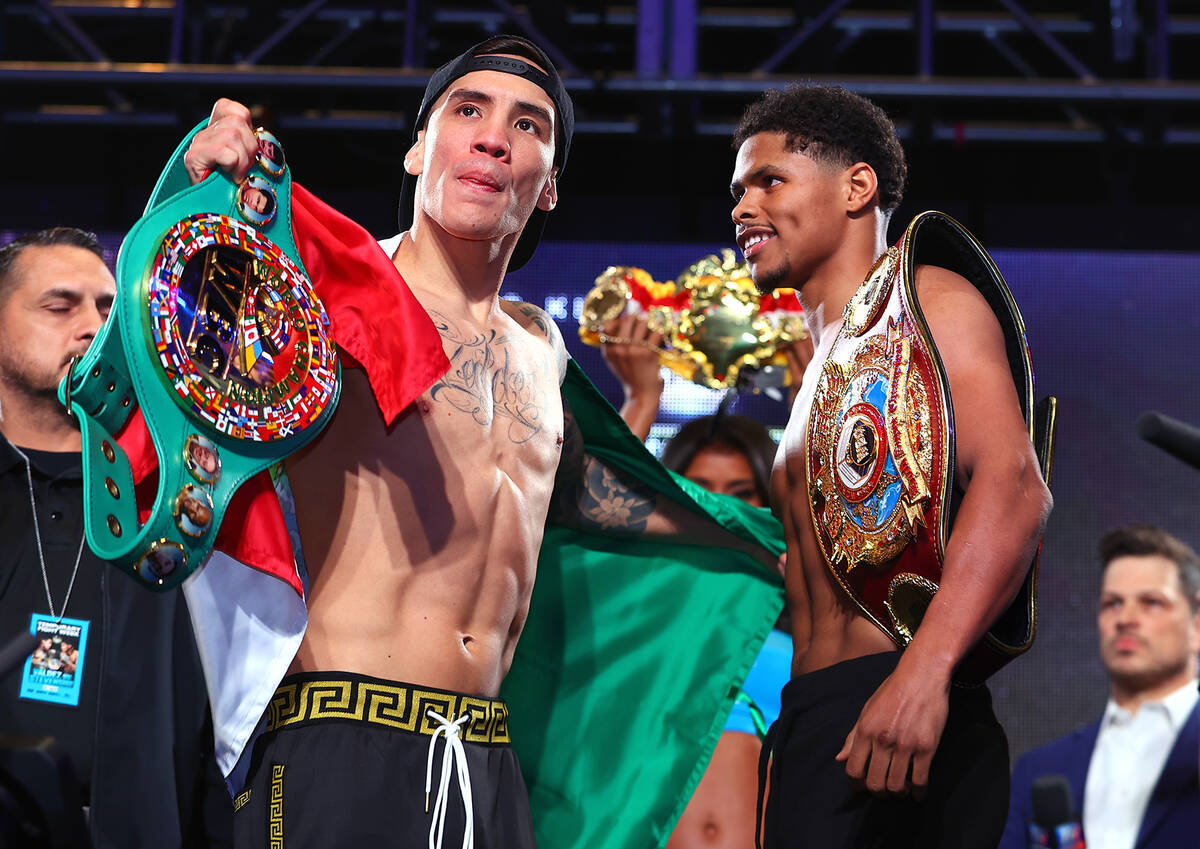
54,671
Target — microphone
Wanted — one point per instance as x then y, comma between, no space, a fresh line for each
1055,824
1180,440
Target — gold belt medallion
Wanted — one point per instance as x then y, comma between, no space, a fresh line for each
870,451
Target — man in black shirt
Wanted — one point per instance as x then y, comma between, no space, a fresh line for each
116,681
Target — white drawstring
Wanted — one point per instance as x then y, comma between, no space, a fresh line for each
453,754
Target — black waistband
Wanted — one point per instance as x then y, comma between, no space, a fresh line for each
313,697
854,681
859,676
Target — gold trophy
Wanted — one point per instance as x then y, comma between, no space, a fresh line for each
718,330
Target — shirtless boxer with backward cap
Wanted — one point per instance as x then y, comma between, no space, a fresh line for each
421,535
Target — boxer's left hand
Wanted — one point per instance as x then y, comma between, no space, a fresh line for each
228,143
892,745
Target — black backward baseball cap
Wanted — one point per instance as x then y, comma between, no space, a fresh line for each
482,57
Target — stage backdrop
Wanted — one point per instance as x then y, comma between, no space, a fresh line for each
1113,335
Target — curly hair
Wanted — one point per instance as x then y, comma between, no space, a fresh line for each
833,126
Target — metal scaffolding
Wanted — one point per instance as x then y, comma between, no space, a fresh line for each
986,70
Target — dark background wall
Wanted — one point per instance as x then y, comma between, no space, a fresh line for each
1056,124
626,188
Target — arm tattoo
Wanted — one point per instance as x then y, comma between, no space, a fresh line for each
590,496
539,319
612,503
485,383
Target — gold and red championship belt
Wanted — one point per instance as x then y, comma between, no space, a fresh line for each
880,446
718,330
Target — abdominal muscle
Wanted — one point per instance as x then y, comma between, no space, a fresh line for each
421,542
839,630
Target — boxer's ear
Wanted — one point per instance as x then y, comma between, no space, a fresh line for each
414,160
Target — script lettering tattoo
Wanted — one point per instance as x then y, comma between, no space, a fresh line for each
486,383
589,495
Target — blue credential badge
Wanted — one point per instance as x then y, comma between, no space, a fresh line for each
54,672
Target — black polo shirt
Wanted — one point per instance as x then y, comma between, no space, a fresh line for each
140,738
58,496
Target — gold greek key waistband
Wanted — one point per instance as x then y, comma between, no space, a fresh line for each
305,699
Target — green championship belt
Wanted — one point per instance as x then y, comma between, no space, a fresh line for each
218,337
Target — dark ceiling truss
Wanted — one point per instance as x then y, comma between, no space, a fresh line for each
972,70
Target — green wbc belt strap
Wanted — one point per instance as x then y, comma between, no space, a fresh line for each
219,339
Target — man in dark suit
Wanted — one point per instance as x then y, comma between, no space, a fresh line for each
1134,772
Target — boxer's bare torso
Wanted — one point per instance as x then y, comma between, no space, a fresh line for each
421,538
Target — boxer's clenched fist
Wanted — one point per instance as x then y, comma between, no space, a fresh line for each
227,143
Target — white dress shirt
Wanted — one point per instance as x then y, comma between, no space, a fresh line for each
1131,750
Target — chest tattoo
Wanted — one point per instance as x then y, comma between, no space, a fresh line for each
491,381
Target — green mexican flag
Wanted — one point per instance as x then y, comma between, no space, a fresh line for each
633,653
